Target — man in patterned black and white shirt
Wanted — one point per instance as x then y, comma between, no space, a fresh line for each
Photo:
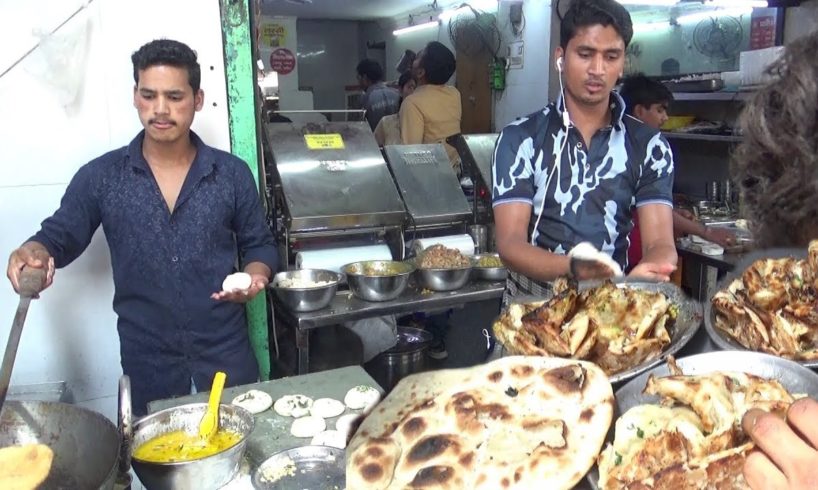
573,171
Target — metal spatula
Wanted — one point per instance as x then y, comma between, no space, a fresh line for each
32,281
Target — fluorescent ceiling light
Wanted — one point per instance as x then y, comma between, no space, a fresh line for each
418,27
735,12
738,3
656,3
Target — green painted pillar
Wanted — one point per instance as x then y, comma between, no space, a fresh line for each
241,105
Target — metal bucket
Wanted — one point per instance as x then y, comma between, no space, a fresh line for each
407,357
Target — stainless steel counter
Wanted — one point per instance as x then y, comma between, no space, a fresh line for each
345,307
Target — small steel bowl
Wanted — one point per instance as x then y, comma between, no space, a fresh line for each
488,273
443,279
376,287
306,299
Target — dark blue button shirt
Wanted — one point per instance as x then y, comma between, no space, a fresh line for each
166,265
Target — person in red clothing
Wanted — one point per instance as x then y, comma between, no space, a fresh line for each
648,101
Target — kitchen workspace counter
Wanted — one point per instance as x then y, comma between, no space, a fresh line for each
346,307
272,431
707,269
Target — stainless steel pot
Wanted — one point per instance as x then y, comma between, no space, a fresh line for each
407,357
384,287
85,443
208,473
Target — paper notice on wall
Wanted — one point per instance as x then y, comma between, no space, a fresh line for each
272,35
762,29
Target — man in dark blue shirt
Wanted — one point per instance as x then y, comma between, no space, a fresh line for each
571,172
177,215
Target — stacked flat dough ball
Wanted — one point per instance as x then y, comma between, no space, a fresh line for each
311,415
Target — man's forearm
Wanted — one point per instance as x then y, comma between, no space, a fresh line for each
534,262
660,254
683,226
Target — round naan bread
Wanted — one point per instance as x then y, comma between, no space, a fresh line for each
518,422
24,467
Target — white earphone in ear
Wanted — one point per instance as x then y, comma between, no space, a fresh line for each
559,64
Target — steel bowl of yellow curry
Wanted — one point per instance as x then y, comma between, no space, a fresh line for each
167,452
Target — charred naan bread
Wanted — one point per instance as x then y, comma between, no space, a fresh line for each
518,422
24,467
693,439
773,307
616,328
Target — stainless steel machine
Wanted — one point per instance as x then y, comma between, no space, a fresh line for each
476,153
331,188
429,188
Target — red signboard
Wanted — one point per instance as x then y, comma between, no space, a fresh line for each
282,61
762,31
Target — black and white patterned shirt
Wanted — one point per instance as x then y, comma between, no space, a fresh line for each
593,189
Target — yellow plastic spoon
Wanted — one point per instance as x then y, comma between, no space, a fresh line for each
210,422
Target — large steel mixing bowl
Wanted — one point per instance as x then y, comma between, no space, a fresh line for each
378,280
443,279
303,299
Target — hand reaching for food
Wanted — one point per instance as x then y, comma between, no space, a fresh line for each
652,271
787,458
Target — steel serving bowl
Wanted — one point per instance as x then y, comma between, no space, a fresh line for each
307,298
794,377
488,273
211,472
377,287
443,279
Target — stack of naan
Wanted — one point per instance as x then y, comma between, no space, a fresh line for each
518,422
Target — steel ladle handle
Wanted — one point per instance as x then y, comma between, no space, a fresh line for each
32,281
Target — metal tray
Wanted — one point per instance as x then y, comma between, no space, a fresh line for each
723,340
315,467
795,378
687,322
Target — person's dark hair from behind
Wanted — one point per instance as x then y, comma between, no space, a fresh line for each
170,53
404,78
438,62
775,167
370,69
586,13
641,90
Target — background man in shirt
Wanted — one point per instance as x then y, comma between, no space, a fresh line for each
432,113
379,100
648,101
608,161
176,214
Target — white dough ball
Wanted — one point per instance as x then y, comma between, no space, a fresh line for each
237,281
362,397
293,405
308,426
254,401
332,438
345,423
327,408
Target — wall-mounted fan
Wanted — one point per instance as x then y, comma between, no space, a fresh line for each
719,38
475,32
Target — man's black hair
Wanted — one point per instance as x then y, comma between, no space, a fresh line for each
171,53
641,90
586,13
370,69
438,62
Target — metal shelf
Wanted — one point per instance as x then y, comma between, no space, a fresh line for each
712,96
702,137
